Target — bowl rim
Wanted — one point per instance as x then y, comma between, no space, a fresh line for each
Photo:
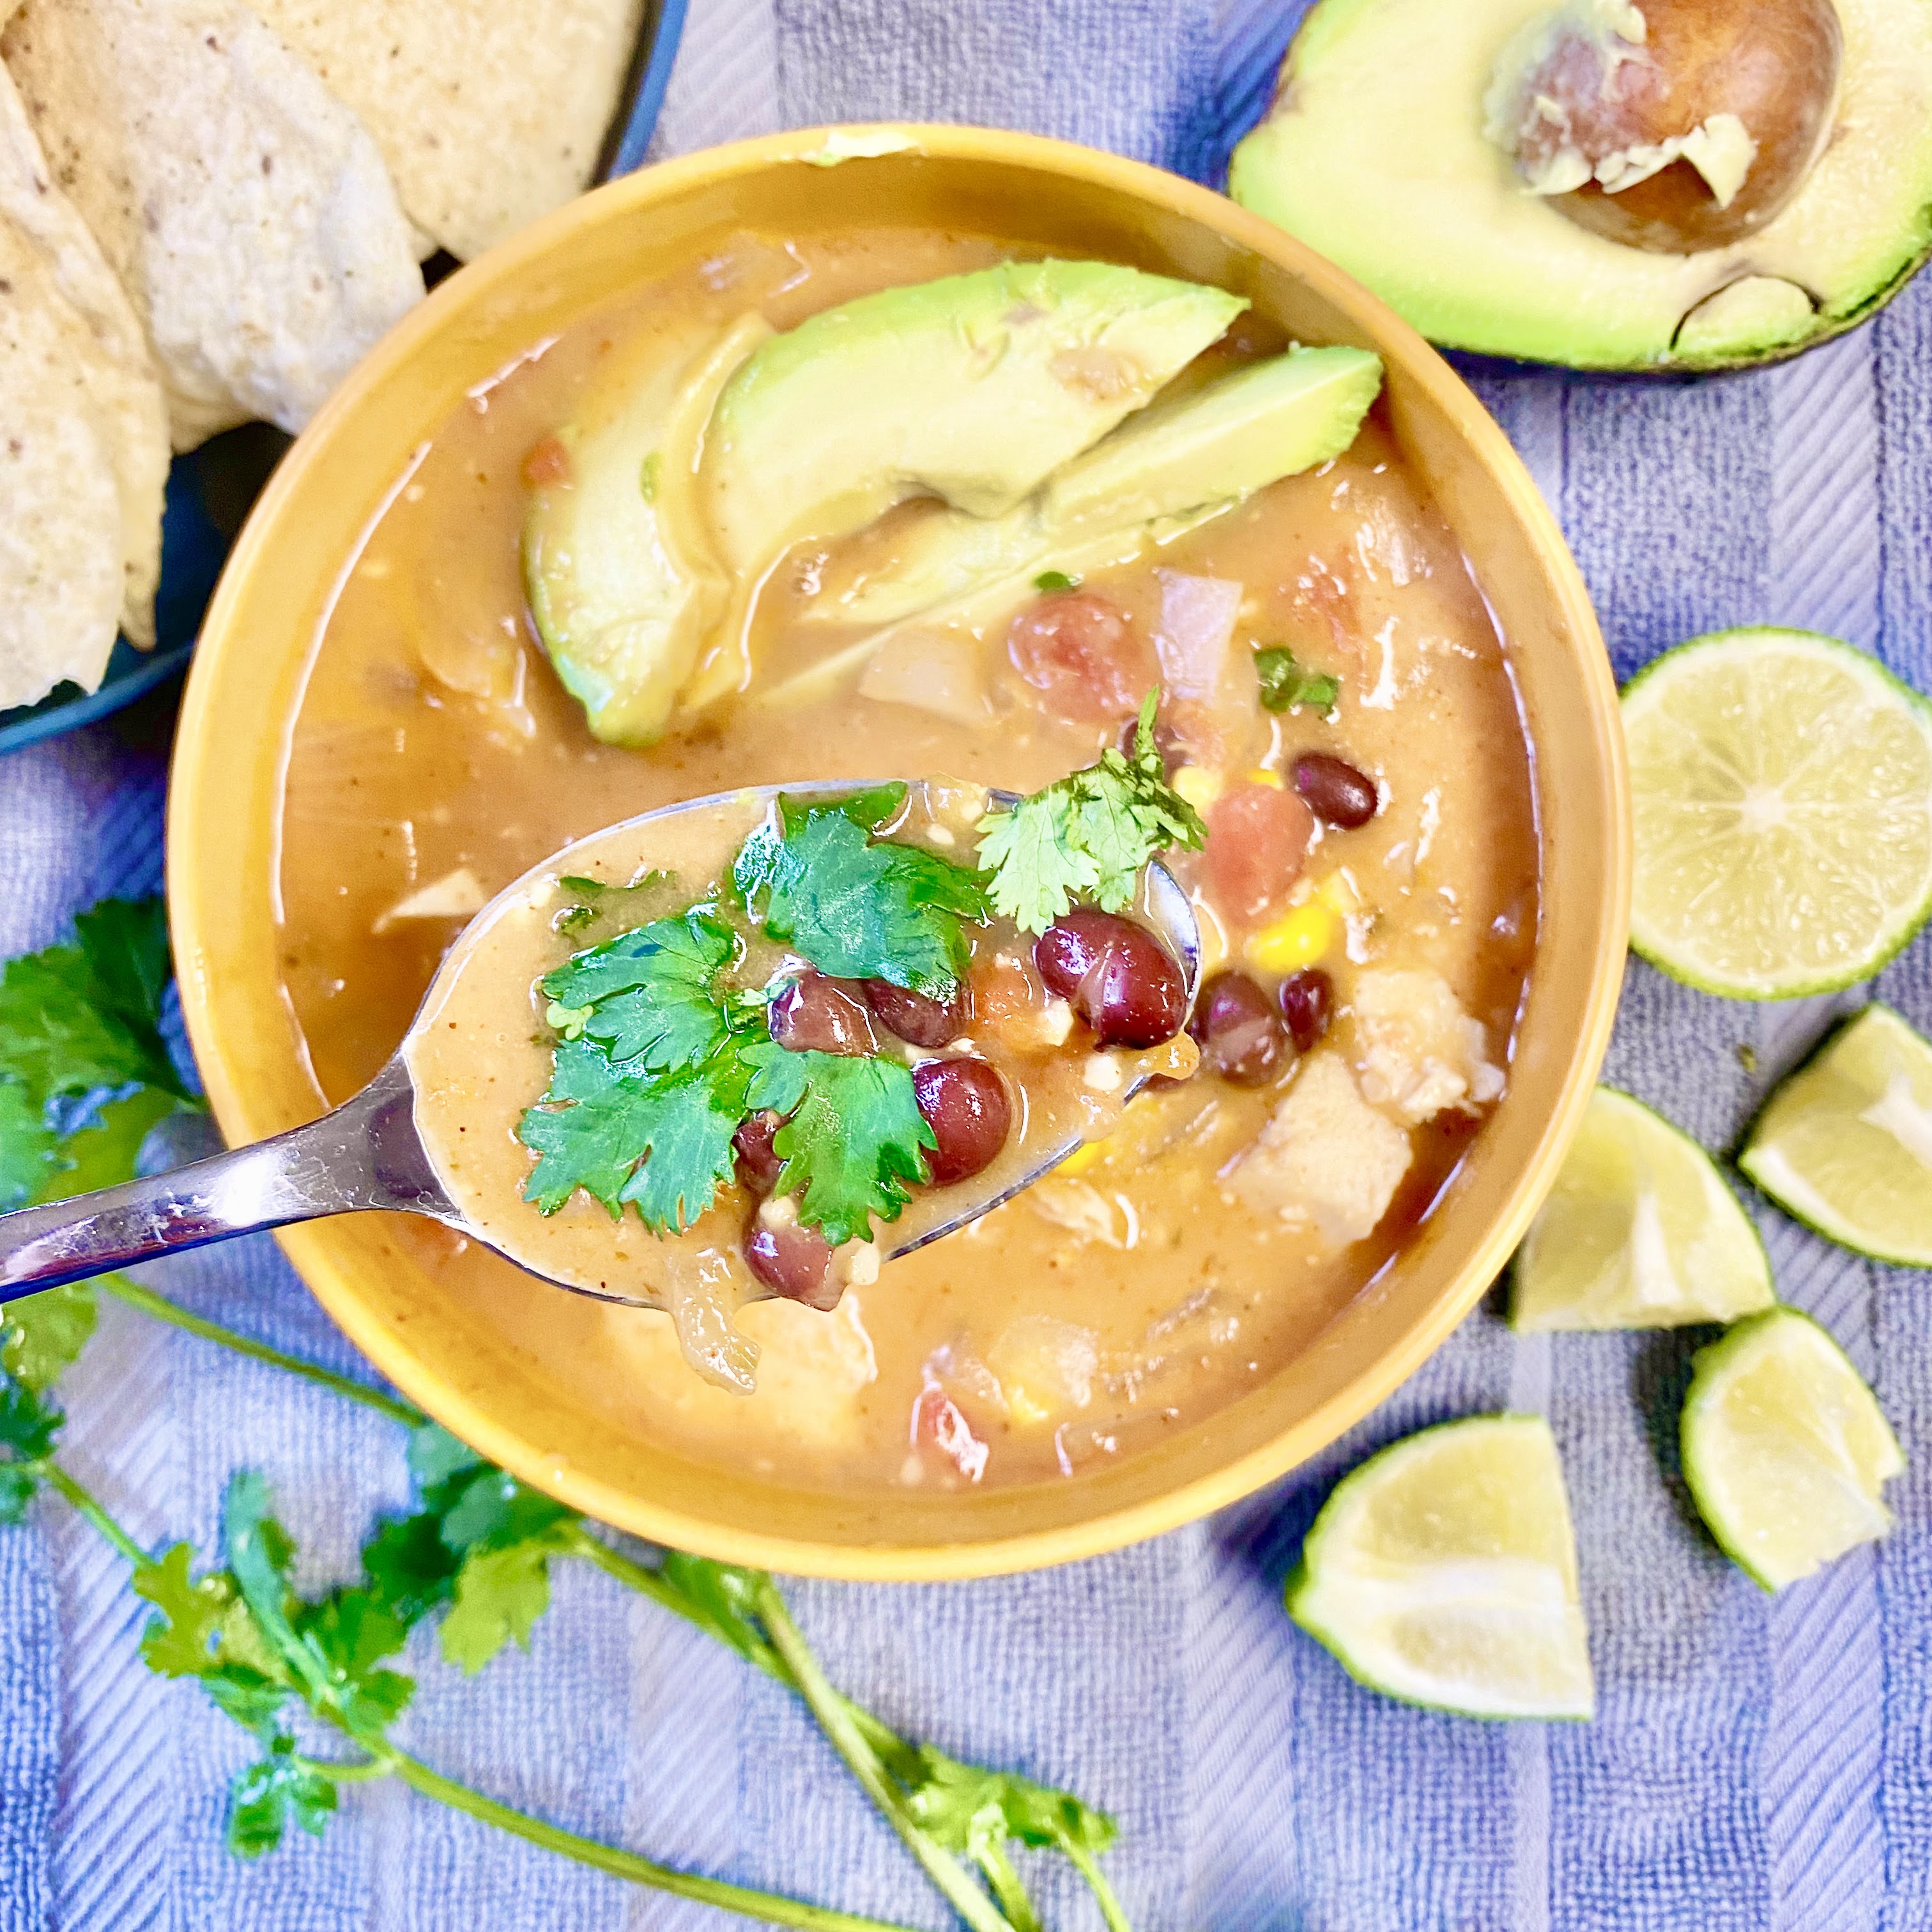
334,1285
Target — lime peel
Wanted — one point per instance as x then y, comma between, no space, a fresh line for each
1443,1572
1640,1231
1781,786
1786,1449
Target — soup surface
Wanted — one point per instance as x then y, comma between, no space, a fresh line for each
1367,895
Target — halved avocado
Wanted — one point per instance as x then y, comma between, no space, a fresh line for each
1214,447
617,561
1375,153
971,388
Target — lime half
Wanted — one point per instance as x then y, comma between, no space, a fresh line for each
1785,1448
1444,1571
1640,1231
1846,1144
1781,789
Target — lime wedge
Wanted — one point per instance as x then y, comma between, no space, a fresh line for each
1640,1231
1785,1448
1846,1144
1443,1571
1781,788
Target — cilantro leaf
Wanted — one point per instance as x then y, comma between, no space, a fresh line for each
108,1150
26,1146
435,1455
851,1148
598,1121
686,1125
1286,684
651,991
1088,834
407,1566
263,1797
856,910
41,1335
181,1641
1051,580
500,1593
74,1018
720,1598
28,1424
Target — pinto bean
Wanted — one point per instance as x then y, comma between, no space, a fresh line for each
1080,653
816,1013
916,1017
965,1103
1306,997
1117,976
1335,791
1241,1036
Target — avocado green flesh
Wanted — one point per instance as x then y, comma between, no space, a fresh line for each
1374,154
972,387
616,562
1272,419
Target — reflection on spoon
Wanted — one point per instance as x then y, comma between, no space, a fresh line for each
433,1132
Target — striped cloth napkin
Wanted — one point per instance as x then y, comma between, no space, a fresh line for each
1758,1765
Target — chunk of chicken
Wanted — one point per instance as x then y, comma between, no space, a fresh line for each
1326,1157
1416,1050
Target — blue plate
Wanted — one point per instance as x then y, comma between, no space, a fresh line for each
199,519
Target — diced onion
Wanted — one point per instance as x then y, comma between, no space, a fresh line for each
1197,625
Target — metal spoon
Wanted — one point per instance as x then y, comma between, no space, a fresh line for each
367,1154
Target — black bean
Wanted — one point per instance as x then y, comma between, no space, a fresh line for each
1335,791
759,1165
817,1014
1119,978
965,1103
916,1017
793,1260
1240,1034
1305,998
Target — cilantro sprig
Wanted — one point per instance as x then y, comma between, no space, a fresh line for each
475,1551
1286,683
660,1059
1088,834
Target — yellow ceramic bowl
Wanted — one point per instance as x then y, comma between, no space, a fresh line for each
247,679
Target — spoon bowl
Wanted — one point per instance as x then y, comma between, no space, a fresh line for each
369,1152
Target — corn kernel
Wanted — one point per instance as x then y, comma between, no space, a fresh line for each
1198,785
1271,779
1297,939
1082,1158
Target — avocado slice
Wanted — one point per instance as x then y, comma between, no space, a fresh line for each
1269,420
1374,154
617,560
972,388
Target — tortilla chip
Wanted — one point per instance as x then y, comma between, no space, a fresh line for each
247,211
61,577
109,352
489,115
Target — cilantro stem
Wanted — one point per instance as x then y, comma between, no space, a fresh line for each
773,1907
158,1306
836,1719
1089,1868
346,1773
84,1500
385,1759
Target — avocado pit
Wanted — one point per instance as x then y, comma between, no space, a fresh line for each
1675,126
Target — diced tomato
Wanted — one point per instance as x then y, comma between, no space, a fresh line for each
547,462
938,1424
1257,844
1081,654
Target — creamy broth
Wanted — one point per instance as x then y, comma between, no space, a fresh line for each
435,758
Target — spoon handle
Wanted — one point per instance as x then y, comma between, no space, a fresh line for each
364,1154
